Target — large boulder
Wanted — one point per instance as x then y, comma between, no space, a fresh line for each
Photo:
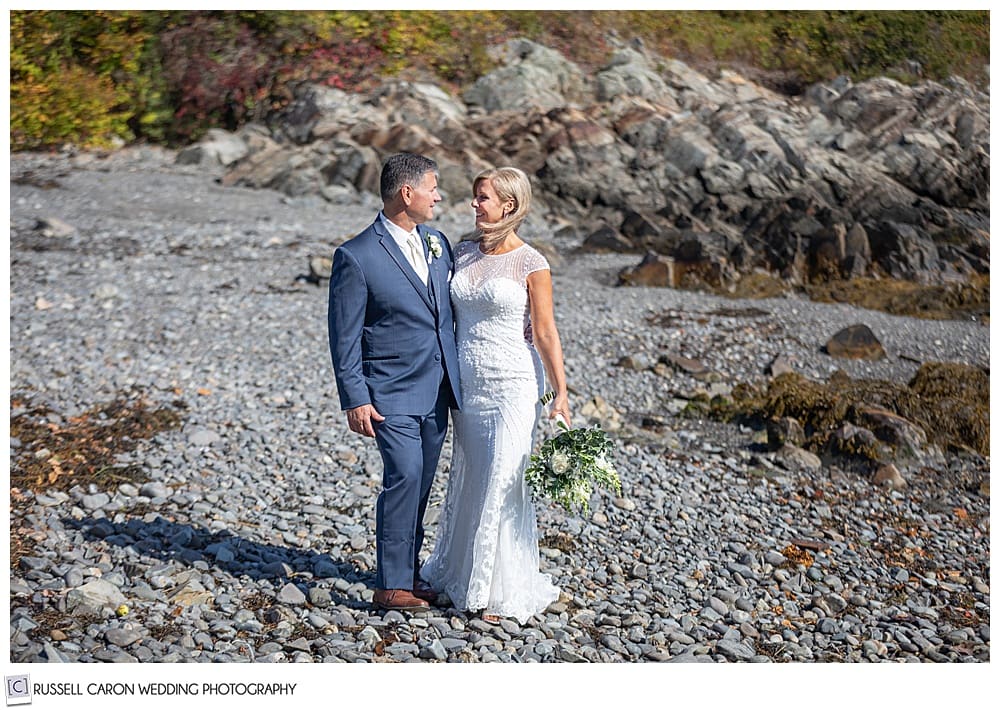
907,439
427,106
216,148
629,73
533,77
856,342
903,250
584,162
653,270
319,112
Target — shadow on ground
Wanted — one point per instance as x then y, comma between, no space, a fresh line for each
188,544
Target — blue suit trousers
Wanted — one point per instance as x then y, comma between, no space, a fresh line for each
410,446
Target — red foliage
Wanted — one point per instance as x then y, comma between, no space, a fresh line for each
217,75
224,73
347,65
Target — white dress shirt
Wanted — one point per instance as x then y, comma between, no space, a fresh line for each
409,244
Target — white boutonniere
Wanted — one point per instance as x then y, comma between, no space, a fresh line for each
434,246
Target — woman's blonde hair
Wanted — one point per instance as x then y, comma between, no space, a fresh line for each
510,184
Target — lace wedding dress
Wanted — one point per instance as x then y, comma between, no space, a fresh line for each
486,553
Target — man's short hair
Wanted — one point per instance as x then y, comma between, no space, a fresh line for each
403,169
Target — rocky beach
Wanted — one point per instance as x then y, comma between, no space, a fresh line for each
234,520
804,480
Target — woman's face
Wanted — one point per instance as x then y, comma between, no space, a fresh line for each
489,209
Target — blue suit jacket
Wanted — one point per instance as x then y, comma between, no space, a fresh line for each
391,337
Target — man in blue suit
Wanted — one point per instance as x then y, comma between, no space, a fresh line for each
392,338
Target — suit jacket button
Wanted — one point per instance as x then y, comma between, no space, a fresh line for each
438,357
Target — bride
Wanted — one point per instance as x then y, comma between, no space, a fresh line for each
486,554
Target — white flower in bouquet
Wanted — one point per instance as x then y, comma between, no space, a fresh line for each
582,490
560,462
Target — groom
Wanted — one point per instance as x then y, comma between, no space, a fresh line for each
392,338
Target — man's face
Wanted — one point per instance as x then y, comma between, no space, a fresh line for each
421,198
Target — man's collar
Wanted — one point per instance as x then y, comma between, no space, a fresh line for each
397,232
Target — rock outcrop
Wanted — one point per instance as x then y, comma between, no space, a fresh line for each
648,155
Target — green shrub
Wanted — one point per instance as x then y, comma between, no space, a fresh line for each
77,108
73,75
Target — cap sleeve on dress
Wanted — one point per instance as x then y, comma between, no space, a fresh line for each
534,261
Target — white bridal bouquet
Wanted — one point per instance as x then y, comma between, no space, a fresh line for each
569,465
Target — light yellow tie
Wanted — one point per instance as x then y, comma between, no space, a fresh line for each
417,257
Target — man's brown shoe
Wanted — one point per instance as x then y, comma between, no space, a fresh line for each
422,590
398,600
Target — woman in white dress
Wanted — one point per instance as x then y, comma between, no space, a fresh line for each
486,553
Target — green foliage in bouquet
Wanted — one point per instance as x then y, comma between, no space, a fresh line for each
569,465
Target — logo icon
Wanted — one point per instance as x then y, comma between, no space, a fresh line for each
18,690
